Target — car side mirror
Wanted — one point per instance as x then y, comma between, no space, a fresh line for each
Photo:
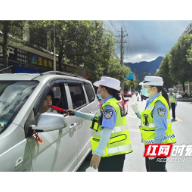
50,122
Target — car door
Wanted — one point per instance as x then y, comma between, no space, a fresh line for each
85,133
59,149
79,103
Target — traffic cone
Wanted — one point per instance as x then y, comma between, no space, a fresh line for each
137,98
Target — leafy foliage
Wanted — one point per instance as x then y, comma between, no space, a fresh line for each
164,72
10,29
77,42
176,67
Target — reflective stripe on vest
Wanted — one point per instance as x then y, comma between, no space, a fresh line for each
150,107
152,125
119,149
115,130
164,138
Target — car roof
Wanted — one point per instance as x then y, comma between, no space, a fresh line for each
17,76
40,77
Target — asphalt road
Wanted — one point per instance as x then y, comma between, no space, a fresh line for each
182,128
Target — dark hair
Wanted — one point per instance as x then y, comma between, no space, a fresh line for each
51,94
112,92
164,93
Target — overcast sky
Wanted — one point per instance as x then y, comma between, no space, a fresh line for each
148,39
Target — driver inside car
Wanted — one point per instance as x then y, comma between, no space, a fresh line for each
46,105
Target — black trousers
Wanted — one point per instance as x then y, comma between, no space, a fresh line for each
173,110
155,166
112,164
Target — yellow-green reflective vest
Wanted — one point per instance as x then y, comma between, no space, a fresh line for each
119,142
172,98
148,127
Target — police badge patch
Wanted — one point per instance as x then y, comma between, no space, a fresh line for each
161,111
108,113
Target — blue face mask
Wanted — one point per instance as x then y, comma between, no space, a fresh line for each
144,91
99,95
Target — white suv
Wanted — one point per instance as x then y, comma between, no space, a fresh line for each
65,138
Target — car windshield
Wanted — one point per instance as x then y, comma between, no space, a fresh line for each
13,94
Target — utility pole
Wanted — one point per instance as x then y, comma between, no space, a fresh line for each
54,62
122,52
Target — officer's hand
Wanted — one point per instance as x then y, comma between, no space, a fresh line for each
95,161
135,108
68,112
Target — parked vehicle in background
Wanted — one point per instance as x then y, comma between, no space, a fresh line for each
123,102
127,94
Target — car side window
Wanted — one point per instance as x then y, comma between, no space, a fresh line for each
56,96
77,95
90,92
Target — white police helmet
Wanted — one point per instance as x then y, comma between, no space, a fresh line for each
152,80
108,82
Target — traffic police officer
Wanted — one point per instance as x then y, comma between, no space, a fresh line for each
156,127
110,141
173,101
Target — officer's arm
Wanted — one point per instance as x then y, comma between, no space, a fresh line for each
160,119
86,116
108,124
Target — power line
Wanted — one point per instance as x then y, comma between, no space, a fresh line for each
113,27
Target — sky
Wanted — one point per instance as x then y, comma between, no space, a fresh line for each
147,39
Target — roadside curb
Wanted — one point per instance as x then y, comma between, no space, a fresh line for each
185,100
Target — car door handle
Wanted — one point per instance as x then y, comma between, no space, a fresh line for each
72,125
19,161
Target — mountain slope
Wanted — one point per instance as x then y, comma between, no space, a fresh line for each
145,68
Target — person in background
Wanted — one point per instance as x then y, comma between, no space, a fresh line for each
173,101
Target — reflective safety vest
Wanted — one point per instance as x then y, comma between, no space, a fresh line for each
172,98
148,127
119,142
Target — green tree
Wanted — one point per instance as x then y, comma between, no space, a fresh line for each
179,67
84,42
10,28
164,72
